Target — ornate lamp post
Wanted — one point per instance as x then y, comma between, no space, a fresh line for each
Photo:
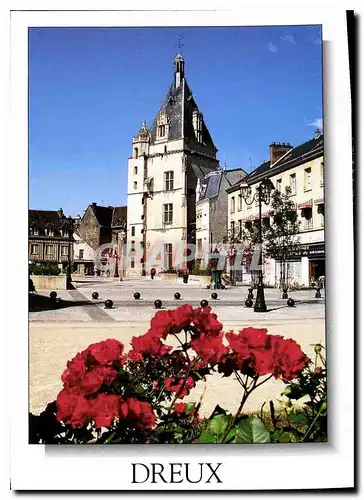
262,195
68,223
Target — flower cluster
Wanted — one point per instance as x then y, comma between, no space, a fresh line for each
88,395
103,387
254,352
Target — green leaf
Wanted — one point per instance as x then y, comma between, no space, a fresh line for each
252,430
298,418
218,424
189,408
207,437
281,437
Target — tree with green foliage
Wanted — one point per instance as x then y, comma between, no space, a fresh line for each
281,239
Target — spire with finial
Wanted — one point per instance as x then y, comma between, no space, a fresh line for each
179,65
318,133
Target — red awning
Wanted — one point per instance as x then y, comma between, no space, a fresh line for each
306,204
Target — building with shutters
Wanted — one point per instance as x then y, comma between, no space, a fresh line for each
302,169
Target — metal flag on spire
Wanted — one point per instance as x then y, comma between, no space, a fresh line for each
179,43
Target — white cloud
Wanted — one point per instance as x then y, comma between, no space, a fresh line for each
272,47
317,123
288,37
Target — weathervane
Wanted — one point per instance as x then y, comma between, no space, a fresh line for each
179,43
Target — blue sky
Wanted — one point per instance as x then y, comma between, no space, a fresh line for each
90,89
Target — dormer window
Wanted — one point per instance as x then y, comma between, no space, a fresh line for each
64,233
49,232
162,125
34,231
161,130
197,124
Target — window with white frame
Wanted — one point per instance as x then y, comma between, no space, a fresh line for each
168,180
168,213
308,179
48,249
34,249
64,250
232,205
240,203
293,183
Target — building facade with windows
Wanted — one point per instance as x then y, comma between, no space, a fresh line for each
167,160
49,239
212,210
302,169
100,236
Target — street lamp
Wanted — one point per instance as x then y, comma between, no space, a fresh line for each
68,223
262,195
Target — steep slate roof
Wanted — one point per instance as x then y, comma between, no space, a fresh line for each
109,216
119,216
211,185
103,214
307,151
42,219
178,106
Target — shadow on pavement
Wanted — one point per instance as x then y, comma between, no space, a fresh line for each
43,303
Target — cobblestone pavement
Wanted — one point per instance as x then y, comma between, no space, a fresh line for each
57,335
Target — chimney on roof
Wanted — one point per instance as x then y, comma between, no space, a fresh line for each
277,150
318,133
93,205
60,213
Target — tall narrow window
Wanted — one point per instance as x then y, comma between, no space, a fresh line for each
308,179
135,185
168,180
34,249
240,203
80,254
133,230
64,251
135,170
136,153
322,174
232,205
161,130
48,249
279,185
292,183
232,228
168,256
168,213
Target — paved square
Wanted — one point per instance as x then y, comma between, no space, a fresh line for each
56,335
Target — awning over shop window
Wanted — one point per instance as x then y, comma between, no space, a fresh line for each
306,204
319,201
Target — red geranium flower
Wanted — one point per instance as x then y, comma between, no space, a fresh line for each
106,351
288,358
179,385
105,408
210,349
149,344
75,371
207,322
180,408
73,409
91,383
139,413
